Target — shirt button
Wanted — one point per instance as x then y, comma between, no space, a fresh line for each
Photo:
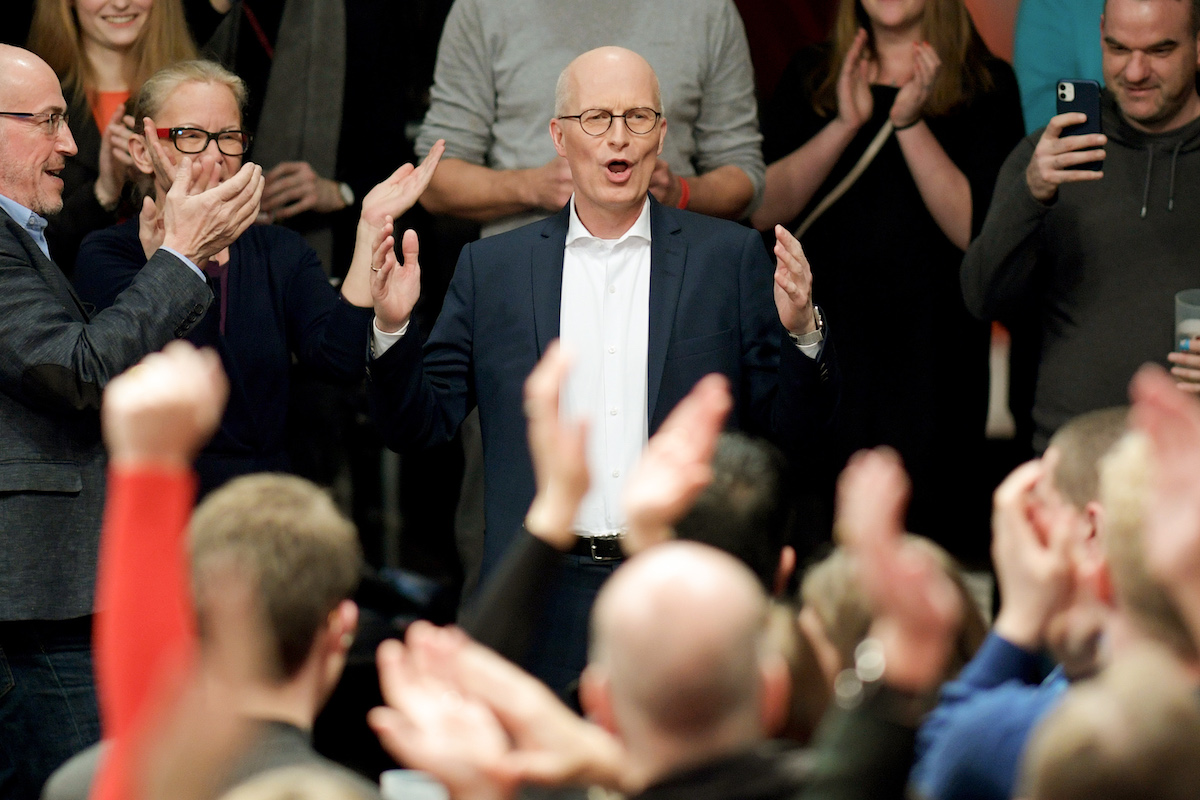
616,473
612,349
612,290
612,412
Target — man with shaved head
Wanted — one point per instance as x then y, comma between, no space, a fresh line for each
679,666
55,358
648,299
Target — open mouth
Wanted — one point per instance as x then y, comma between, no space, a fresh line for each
122,19
618,167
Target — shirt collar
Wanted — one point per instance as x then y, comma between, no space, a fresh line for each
640,227
21,215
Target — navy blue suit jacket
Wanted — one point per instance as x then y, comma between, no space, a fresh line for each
711,310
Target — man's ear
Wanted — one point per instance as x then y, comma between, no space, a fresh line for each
140,155
343,623
662,134
784,570
775,700
595,698
556,134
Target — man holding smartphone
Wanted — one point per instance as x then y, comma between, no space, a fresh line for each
1096,256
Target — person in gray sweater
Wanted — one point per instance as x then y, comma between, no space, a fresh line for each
1098,255
493,97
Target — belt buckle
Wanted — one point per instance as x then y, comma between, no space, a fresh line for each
609,550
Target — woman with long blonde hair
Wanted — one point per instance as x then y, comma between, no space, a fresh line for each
883,146
102,51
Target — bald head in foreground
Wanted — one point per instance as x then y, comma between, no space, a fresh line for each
679,667
55,359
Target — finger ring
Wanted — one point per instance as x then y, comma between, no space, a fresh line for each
376,269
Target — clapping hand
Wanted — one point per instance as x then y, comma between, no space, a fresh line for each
793,284
916,607
558,450
855,103
399,192
676,464
395,286
910,100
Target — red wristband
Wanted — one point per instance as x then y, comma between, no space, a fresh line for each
685,193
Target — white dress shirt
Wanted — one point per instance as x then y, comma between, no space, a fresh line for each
604,323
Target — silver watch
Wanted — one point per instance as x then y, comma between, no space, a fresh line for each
347,193
814,336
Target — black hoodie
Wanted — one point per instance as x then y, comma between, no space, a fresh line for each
1100,265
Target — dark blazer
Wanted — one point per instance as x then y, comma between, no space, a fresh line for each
711,310
55,359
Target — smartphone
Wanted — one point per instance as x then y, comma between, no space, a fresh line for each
1082,96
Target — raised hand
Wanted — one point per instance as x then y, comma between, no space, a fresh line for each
202,216
551,745
910,100
855,103
1033,562
427,724
395,286
1048,168
150,227
1170,419
163,410
793,284
115,160
559,452
676,464
399,192
916,606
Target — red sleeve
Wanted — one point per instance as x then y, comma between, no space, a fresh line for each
145,627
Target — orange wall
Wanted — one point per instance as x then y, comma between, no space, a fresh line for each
994,19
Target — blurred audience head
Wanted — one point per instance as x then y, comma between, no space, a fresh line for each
1146,604
1132,733
809,698
296,783
1069,505
745,510
679,665
835,613
300,556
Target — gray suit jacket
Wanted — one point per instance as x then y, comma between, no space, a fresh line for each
55,359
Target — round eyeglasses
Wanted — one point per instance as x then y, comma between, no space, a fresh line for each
597,121
194,140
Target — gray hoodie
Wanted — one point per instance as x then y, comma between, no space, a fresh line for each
1099,265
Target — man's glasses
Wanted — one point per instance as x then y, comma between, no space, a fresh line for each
597,121
194,140
53,120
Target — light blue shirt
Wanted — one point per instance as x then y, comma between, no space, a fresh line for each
35,225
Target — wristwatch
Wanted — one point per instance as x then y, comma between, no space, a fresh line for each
347,193
814,336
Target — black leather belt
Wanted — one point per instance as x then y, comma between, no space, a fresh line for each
598,548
